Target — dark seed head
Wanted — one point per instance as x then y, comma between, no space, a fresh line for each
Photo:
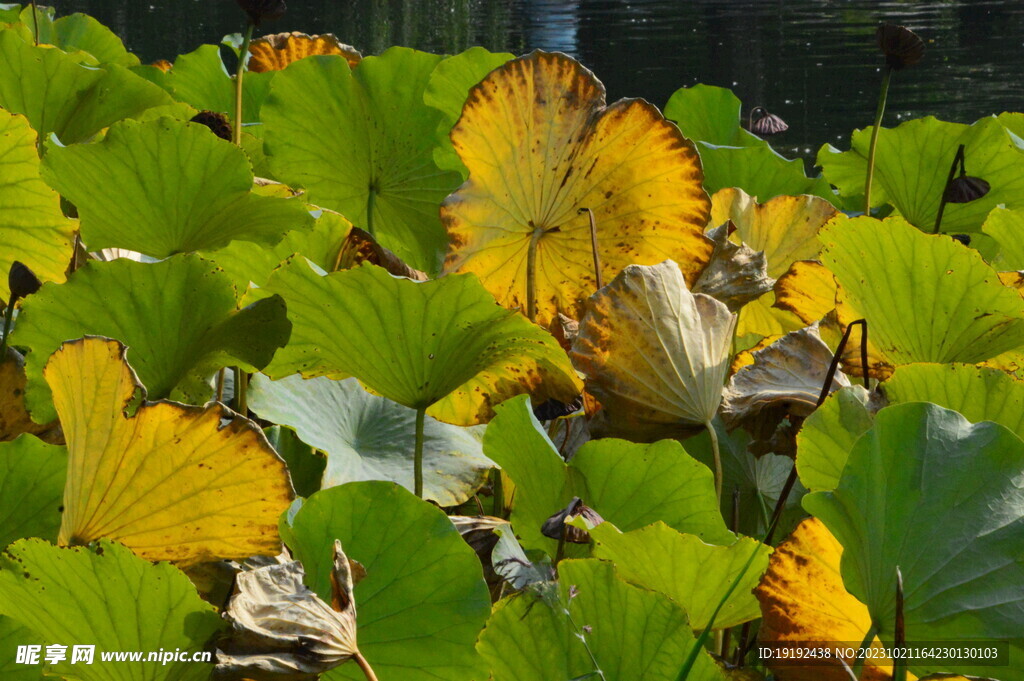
22,281
555,525
553,409
263,10
965,239
217,122
901,46
965,189
764,124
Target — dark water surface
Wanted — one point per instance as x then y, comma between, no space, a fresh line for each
814,62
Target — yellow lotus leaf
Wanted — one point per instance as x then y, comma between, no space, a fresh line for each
171,482
808,290
275,52
803,600
541,147
14,418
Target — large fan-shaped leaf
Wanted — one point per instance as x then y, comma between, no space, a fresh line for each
277,52
367,437
31,484
174,187
361,141
77,32
926,298
13,635
179,317
170,482
33,230
632,633
423,600
710,114
655,354
442,345
541,146
962,569
60,95
1007,228
760,171
110,599
912,165
827,436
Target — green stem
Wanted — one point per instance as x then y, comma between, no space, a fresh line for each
531,275
239,78
718,459
417,464
899,662
8,320
858,665
241,388
35,20
220,385
370,199
874,138
498,490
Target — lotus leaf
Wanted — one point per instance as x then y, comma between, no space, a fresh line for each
277,52
692,573
803,599
31,485
827,436
654,354
179,317
541,146
14,417
104,596
736,274
367,437
58,94
170,482
360,141
630,485
632,633
962,569
423,600
79,32
34,231
710,114
179,188
912,165
1007,228
442,346
12,635
760,171
305,465
808,290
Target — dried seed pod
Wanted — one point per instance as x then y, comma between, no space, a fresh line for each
965,189
553,409
555,525
22,281
217,122
901,46
766,124
263,10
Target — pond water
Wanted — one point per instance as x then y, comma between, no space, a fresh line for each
814,62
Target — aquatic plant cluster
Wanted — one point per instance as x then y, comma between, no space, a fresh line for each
416,366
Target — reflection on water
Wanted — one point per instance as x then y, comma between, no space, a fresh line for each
813,62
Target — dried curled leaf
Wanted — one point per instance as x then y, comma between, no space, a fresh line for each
360,246
275,52
736,274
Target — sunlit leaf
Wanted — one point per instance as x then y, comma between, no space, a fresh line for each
179,317
441,345
360,141
31,485
178,188
654,354
736,273
541,145
827,436
78,32
171,482
962,568
108,598
14,416
367,437
34,231
13,635
706,113
760,171
1007,227
807,289
276,52
421,604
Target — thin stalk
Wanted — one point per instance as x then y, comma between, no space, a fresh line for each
35,20
365,666
874,138
716,451
723,649
858,665
593,248
498,489
243,55
241,388
739,659
74,254
417,462
899,662
560,551
581,635
220,385
8,320
958,160
531,274
370,200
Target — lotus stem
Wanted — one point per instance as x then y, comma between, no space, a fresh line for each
219,391
593,248
874,138
899,662
560,551
35,20
243,55
365,666
241,387
724,643
958,160
417,461
8,320
498,490
531,275
716,451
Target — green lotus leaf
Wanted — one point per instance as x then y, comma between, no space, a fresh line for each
633,633
179,317
60,95
305,465
630,485
695,575
361,141
827,436
705,113
106,597
926,298
367,437
912,165
443,345
33,230
1007,228
77,32
423,600
760,171
179,188
446,91
13,635
31,489
962,569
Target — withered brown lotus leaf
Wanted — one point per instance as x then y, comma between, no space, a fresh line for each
276,52
736,274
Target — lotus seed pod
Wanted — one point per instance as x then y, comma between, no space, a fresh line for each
217,122
965,189
263,10
555,525
764,124
901,46
22,281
